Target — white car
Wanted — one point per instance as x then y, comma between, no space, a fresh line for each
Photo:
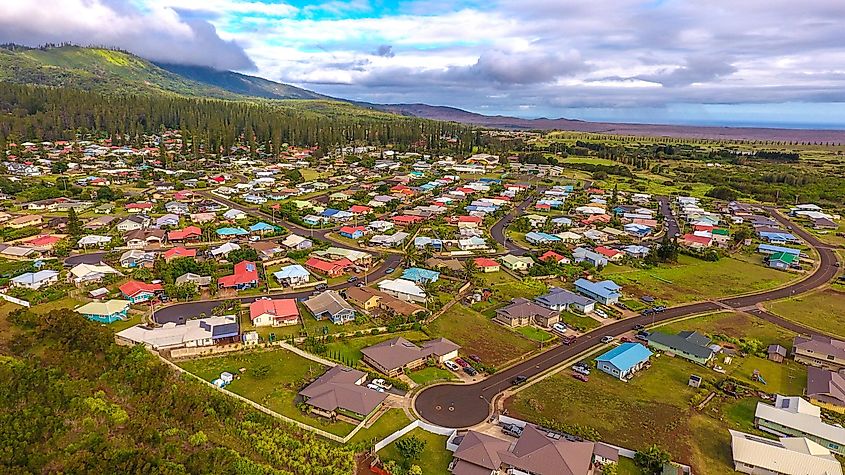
452,365
381,383
600,313
375,388
559,327
606,339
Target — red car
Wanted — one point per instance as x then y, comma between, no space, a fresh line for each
461,362
568,340
625,339
580,377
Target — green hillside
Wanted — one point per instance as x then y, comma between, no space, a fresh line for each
110,71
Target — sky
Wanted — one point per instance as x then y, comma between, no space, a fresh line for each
713,62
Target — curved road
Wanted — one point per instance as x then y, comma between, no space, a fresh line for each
464,405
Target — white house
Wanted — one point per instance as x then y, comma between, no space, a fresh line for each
292,275
403,290
35,280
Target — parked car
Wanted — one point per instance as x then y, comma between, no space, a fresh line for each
606,339
470,370
360,284
519,380
624,339
659,308
475,358
559,327
581,369
580,377
461,362
352,279
642,335
512,430
647,311
375,388
600,313
321,287
452,365
382,384
568,340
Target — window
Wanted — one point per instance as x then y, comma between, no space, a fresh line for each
830,357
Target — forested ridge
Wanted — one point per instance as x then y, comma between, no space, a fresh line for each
72,401
213,125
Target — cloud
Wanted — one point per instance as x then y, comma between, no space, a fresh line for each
385,51
158,34
696,70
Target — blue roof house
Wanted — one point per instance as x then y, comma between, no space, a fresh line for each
772,249
292,275
416,274
232,232
561,299
535,237
778,238
606,291
261,228
624,360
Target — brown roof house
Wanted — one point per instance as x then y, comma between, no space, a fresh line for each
821,351
826,388
392,357
537,451
340,390
521,312
369,298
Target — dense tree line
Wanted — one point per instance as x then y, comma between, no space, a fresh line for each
211,125
73,401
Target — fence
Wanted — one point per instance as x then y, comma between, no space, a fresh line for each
413,425
15,300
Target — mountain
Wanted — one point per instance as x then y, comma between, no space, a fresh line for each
106,70
651,130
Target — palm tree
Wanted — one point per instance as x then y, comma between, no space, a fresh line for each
470,268
411,255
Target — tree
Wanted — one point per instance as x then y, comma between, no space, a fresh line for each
74,225
610,469
242,254
652,459
415,470
410,448
469,268
104,193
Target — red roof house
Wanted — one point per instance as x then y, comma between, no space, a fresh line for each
359,209
329,268
486,264
692,240
136,291
245,276
190,233
278,312
406,220
177,252
611,254
552,256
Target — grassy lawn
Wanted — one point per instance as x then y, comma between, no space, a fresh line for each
388,423
681,282
434,459
506,288
349,349
431,374
627,466
736,325
277,390
534,333
824,311
478,335
134,319
788,378
579,322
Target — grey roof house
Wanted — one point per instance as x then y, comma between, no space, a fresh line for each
562,299
339,391
686,344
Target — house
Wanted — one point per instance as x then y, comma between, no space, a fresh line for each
581,254
352,232
787,456
781,260
229,232
605,292
485,264
776,353
552,256
416,274
328,268
472,243
167,220
369,298
137,292
202,218
772,249
99,222
194,333
139,207
612,255
818,350
190,233
104,312
402,289
177,252
797,417
262,228
244,277
137,258
517,263
389,240
521,312
561,299
234,215
330,305
537,451
25,221
295,242
266,312
92,240
35,280
392,357
141,238
190,278
696,242
341,391
826,388
539,238
84,274
292,275
176,207
624,360
689,345
224,249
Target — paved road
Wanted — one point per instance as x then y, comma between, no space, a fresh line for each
497,231
671,223
459,406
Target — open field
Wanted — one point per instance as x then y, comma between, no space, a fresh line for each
579,322
287,373
824,310
506,288
434,458
736,325
682,282
478,335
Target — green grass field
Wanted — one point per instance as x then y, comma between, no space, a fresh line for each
506,288
434,459
579,322
277,390
478,335
682,282
431,374
388,423
824,311
736,325
536,334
